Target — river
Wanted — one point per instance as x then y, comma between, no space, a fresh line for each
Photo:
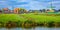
32,28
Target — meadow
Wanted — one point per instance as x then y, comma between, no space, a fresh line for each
31,19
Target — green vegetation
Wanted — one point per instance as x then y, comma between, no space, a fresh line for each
29,19
42,18
10,17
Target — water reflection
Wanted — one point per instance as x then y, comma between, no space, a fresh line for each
32,28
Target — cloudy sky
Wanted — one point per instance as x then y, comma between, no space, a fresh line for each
29,4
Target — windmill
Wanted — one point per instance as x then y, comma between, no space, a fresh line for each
51,6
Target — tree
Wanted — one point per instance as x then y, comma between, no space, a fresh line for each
59,10
43,10
22,10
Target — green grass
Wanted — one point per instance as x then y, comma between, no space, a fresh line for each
10,17
42,18
24,17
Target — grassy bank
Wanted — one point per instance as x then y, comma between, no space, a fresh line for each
41,18
6,19
44,19
10,17
29,20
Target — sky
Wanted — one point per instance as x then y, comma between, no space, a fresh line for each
30,4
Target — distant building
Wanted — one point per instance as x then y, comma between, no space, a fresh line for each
49,10
6,10
19,11
16,10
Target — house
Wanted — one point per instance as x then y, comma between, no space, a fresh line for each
6,10
16,10
19,11
49,10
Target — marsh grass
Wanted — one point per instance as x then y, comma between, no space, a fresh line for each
30,19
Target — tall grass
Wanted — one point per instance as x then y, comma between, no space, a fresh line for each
29,19
42,18
10,17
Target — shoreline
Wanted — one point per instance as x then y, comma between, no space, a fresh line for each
15,24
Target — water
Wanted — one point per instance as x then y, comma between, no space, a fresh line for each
35,28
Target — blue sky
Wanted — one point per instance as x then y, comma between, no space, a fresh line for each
29,4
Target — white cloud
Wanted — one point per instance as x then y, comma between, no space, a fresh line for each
36,5
31,4
54,2
23,1
2,2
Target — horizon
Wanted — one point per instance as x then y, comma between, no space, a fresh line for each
30,9
30,4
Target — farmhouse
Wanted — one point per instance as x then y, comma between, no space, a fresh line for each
16,10
6,10
19,11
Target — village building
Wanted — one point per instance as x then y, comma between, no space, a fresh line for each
49,10
6,10
16,10
19,11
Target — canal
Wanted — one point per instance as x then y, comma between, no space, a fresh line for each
32,28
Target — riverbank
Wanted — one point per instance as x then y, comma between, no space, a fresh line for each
31,28
17,20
